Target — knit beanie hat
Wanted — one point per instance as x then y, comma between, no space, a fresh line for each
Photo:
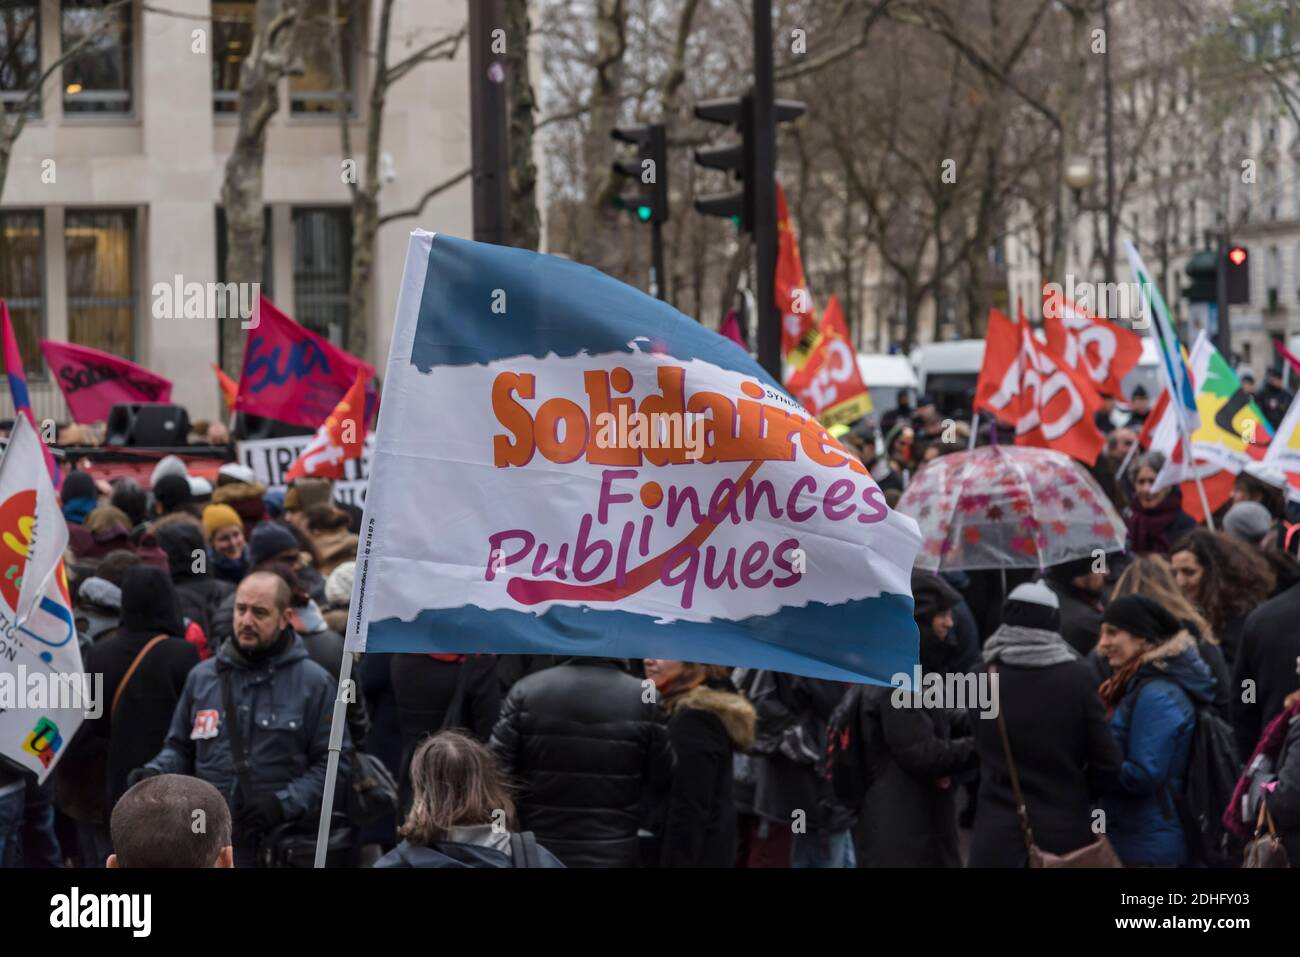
1142,617
172,491
1032,605
78,484
216,517
1249,521
932,595
270,539
338,587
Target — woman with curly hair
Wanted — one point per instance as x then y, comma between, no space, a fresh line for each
1152,575
1225,579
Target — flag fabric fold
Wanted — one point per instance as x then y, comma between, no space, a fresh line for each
1104,351
793,297
92,382
830,384
341,437
18,388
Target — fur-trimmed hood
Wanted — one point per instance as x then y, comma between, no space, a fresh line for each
732,709
1179,661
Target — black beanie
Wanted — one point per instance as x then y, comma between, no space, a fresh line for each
1142,617
172,492
78,484
932,595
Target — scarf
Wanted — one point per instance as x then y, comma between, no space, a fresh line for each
229,569
1147,526
1027,647
1112,689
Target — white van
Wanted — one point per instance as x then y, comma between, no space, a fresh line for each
886,378
948,371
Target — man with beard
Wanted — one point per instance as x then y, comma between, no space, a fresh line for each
282,701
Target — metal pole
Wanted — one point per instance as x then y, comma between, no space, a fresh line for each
1111,224
765,239
657,284
487,98
337,725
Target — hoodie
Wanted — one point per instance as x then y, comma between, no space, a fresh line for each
1154,723
469,852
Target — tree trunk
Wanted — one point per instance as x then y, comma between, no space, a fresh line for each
241,190
525,227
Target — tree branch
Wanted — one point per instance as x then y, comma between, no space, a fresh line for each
418,208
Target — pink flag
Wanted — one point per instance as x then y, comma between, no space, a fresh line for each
731,329
18,387
93,381
292,374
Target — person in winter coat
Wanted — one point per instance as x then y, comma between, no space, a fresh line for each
1270,644
1282,797
1225,579
328,528
228,556
695,822
1061,743
338,596
1158,680
237,488
584,746
200,593
909,817
433,692
135,722
1156,520
1078,590
462,812
283,702
79,496
1153,576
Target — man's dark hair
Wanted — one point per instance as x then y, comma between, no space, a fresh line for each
298,594
131,499
154,823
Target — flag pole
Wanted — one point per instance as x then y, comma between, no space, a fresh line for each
337,724
1196,474
974,429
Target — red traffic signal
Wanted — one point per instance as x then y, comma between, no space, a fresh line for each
1236,255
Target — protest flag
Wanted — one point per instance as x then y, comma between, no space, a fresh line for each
1103,350
92,382
229,388
1026,385
830,384
37,631
558,479
290,373
342,436
18,388
793,298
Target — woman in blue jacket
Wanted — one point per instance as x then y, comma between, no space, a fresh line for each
1158,680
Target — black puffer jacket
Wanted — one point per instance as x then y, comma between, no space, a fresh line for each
583,744
200,593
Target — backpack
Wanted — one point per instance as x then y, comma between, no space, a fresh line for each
844,766
1213,769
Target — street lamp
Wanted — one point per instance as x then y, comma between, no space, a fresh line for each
1078,175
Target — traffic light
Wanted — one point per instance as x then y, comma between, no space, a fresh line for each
650,170
1238,273
1203,270
737,158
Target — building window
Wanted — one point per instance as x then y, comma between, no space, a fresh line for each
22,277
315,91
322,270
99,246
230,335
98,79
20,50
232,36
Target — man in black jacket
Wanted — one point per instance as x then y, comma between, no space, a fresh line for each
584,741
1265,671
200,593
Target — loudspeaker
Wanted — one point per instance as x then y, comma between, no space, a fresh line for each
259,427
148,425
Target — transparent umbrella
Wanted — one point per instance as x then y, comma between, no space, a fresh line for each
1001,506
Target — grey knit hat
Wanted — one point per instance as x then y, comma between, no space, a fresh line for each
1249,521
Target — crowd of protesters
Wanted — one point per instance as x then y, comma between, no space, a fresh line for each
215,612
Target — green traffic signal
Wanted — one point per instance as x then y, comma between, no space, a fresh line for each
644,213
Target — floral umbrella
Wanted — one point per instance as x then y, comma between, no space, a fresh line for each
1009,506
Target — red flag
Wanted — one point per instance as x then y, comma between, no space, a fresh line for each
1285,353
1024,383
229,387
1102,350
793,299
340,437
18,388
290,373
93,382
829,384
